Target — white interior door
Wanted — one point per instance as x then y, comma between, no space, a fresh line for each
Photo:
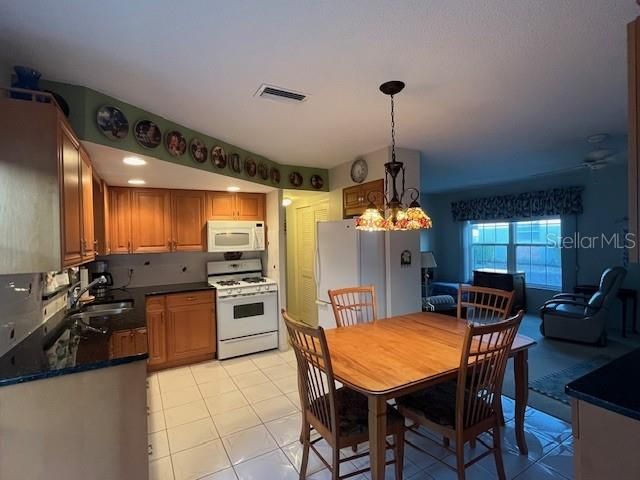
306,219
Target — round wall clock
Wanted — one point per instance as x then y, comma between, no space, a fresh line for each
359,170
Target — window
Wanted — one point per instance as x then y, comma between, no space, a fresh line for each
530,246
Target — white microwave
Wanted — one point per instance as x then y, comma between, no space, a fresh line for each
235,236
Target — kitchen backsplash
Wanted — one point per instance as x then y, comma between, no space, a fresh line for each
163,268
20,308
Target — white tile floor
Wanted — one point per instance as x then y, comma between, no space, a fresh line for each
239,420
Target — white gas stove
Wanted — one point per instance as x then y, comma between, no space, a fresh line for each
246,307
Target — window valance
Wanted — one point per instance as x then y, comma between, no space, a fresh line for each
555,201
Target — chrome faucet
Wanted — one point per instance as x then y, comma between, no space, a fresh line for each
75,295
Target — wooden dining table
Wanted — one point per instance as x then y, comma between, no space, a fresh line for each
391,357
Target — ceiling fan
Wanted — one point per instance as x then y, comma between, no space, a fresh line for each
598,158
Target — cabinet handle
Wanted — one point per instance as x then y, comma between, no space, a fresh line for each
95,244
169,243
190,299
128,246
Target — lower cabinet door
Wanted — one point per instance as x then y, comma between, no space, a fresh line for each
156,337
190,331
140,340
122,344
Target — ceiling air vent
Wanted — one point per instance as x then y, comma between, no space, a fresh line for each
280,94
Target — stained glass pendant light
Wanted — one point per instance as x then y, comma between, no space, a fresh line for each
397,216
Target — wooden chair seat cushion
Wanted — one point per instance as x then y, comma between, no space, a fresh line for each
437,404
353,413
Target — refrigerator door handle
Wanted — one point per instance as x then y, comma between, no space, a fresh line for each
317,273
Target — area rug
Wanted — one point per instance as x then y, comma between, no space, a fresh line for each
552,385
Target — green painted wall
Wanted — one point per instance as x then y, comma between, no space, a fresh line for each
85,102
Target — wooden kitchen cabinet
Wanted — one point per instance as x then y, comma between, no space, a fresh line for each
101,217
150,220
77,200
355,199
86,188
235,206
221,206
250,206
71,193
156,331
190,326
187,220
180,329
124,343
120,220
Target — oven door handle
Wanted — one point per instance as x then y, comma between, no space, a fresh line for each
247,295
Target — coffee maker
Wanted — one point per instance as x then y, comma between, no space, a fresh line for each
100,268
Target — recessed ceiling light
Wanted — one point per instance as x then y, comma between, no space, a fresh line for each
233,189
286,202
136,161
136,181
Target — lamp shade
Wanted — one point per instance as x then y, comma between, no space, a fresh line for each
428,260
371,220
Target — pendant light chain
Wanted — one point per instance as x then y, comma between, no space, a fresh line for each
393,133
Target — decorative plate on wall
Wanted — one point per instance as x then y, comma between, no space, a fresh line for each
218,156
147,134
235,162
198,150
275,175
112,122
317,182
250,167
359,170
295,178
175,143
263,171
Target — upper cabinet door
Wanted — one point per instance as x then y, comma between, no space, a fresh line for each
151,220
119,219
71,198
88,234
188,218
221,206
249,206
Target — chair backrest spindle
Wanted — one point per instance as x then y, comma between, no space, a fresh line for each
483,305
354,305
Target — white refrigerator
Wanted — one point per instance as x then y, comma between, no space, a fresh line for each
346,257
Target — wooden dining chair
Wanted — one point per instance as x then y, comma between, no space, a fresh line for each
482,304
339,415
354,305
464,409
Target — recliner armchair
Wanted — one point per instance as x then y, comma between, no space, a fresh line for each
577,317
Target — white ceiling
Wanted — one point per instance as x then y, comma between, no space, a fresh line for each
488,82
160,174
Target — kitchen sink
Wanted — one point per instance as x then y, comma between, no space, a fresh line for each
101,310
108,308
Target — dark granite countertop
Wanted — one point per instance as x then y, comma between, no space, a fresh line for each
614,387
56,348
